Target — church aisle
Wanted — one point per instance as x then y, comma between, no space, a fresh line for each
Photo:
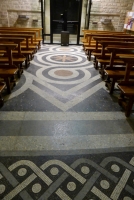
62,136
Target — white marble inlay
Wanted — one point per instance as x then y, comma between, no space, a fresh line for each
121,184
36,143
99,194
36,188
22,172
71,186
115,168
85,170
2,188
127,198
62,195
105,184
54,171
5,115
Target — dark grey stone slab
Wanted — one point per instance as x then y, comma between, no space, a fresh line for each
28,101
10,128
65,152
99,101
65,128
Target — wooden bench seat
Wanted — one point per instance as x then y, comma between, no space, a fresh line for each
7,73
115,73
36,30
16,53
126,87
9,70
104,61
96,44
98,54
25,49
18,59
86,31
23,32
89,50
28,37
126,98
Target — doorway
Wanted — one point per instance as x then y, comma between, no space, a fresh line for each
63,15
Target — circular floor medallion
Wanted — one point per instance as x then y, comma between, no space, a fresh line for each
71,186
85,170
105,184
63,73
54,171
22,172
36,188
127,198
115,168
64,58
64,49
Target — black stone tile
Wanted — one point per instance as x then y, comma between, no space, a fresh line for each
97,102
32,69
10,128
28,101
67,128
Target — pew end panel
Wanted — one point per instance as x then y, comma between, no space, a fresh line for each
2,87
126,99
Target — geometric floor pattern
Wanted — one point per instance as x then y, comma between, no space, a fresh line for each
73,177
62,78
62,135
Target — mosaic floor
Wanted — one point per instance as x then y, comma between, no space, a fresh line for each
62,135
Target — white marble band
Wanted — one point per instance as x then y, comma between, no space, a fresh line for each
12,116
39,143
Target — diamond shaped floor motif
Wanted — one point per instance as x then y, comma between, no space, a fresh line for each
78,76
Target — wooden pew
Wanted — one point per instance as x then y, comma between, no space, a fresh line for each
86,31
8,70
28,38
22,56
91,47
126,87
114,74
34,44
25,49
22,33
104,61
18,58
37,30
90,35
97,53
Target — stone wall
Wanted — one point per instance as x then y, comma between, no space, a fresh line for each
115,10
133,7
11,9
101,9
